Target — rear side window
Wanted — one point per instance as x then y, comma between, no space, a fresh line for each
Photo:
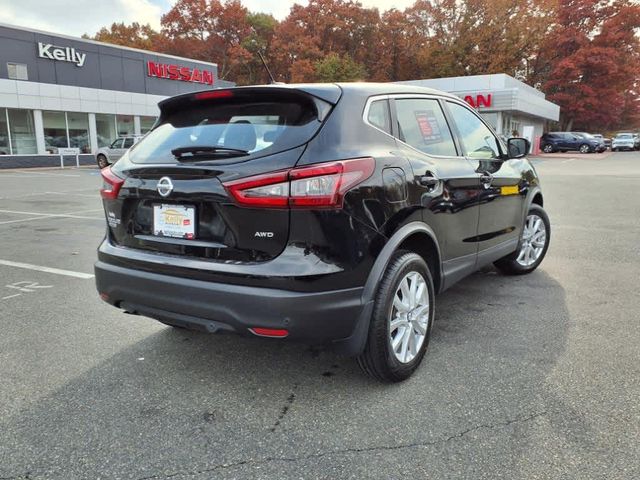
379,115
260,124
128,143
422,125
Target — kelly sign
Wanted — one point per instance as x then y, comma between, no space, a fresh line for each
63,54
177,72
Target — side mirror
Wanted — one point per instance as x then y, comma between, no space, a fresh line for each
518,147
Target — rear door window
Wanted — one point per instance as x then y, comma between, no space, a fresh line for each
128,143
259,124
421,124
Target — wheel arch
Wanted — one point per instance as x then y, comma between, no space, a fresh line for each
415,236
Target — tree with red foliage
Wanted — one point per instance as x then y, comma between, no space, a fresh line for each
208,30
591,61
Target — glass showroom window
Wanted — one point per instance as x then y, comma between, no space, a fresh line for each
78,124
146,123
105,129
22,132
55,131
4,133
125,125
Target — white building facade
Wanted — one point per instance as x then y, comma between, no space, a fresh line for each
65,92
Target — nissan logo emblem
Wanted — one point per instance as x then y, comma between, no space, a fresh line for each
165,186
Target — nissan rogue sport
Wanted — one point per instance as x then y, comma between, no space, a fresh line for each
329,214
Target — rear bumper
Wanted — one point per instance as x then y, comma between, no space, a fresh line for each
314,318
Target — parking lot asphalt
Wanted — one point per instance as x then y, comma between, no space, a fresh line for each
526,377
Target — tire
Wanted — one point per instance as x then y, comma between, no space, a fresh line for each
518,263
584,148
102,161
379,359
548,148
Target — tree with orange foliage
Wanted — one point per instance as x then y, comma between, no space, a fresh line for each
134,36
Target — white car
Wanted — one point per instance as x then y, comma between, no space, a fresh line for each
624,141
108,155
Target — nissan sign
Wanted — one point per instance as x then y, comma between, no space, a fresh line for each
178,72
63,54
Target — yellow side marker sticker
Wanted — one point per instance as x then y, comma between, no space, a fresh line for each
509,190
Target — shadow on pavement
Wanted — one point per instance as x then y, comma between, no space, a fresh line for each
180,401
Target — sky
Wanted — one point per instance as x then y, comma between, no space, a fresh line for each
75,17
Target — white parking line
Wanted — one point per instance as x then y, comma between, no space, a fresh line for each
10,296
40,216
27,173
41,268
64,192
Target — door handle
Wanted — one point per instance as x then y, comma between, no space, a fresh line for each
486,178
429,180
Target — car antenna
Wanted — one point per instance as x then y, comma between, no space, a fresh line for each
272,80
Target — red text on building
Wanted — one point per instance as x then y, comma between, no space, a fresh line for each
478,101
177,72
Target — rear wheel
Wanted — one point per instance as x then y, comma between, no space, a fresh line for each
102,161
548,148
533,244
401,322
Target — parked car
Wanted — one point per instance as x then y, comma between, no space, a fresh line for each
567,141
606,140
304,212
108,155
596,144
625,141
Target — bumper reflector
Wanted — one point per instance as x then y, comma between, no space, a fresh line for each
269,332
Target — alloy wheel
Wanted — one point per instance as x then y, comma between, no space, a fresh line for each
584,148
534,238
409,317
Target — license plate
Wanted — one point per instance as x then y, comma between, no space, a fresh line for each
176,221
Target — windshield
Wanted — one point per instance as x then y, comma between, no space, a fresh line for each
625,135
254,126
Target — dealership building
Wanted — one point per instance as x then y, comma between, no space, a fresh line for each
65,92
507,104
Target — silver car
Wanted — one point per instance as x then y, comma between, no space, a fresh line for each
108,155
625,141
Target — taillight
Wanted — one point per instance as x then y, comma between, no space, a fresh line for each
211,94
111,184
317,186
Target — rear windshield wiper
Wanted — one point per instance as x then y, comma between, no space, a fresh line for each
202,152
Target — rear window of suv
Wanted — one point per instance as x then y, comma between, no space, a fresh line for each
260,124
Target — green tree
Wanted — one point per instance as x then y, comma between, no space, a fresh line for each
337,68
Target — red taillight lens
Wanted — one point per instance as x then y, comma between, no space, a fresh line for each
111,184
317,186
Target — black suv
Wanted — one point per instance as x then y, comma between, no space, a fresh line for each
566,141
329,214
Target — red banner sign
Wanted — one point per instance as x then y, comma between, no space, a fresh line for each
177,72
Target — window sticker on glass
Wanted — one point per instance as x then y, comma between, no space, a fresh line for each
428,124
